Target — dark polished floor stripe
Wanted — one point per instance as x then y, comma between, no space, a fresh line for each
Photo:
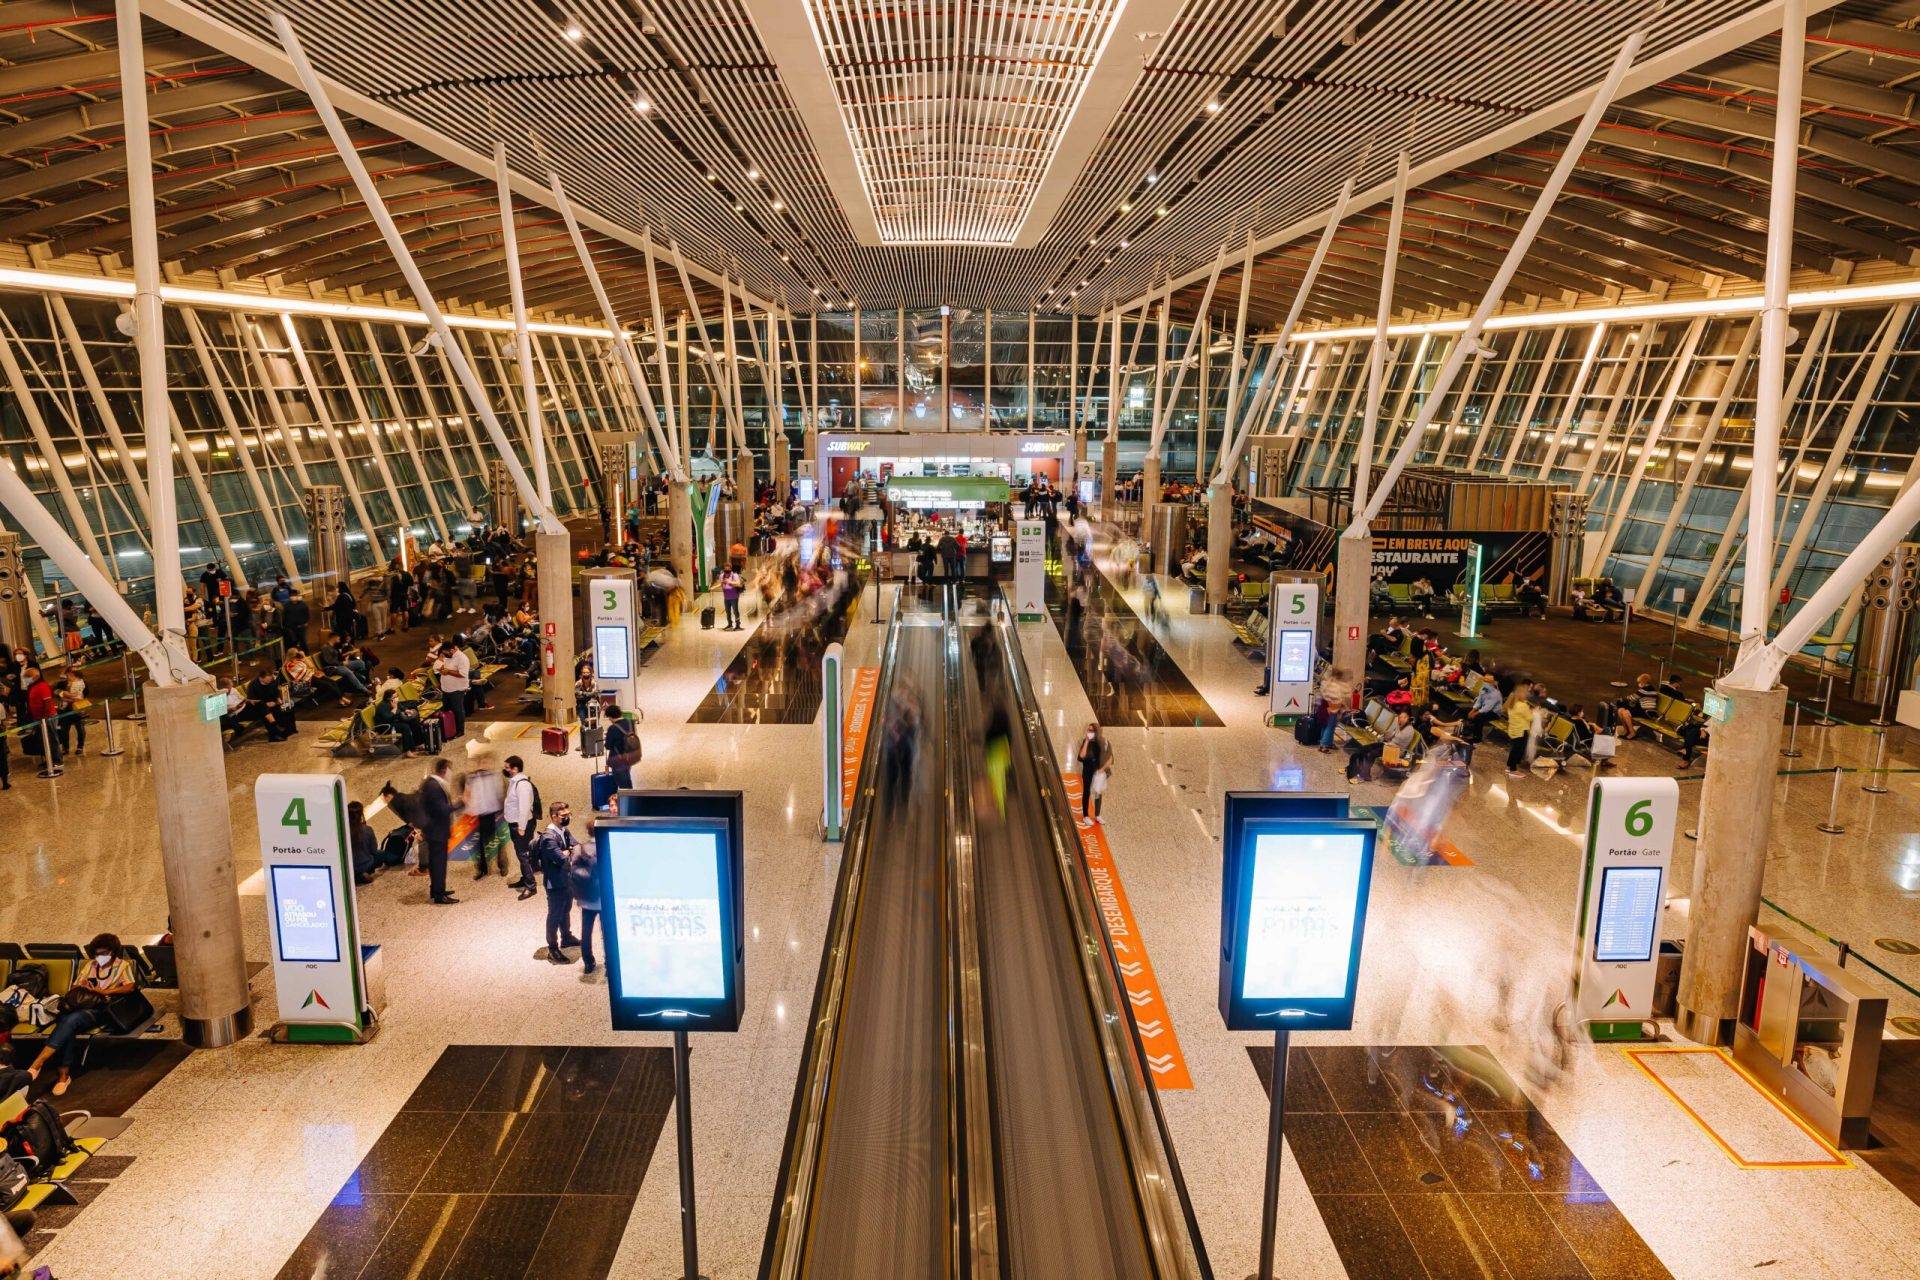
775,678
1129,676
508,1162
1429,1161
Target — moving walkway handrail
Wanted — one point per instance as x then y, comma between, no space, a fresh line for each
1173,1241
784,1255
976,1184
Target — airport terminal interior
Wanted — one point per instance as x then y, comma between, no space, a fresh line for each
959,639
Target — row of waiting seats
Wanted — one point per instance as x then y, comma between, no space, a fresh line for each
154,968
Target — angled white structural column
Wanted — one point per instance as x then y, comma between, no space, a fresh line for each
1736,801
189,760
1353,583
552,548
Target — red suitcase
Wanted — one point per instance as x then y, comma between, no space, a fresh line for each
553,740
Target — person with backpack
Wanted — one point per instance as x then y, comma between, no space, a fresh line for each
622,744
105,974
553,860
731,584
521,810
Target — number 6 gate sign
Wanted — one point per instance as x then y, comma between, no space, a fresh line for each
1630,824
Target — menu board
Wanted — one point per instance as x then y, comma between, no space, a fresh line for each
303,909
1302,916
666,911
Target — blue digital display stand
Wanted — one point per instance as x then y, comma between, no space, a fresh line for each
673,895
1297,872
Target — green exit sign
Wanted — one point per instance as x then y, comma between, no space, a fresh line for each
213,706
1718,706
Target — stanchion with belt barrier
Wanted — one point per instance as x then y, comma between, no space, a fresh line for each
112,748
1876,783
48,767
1832,825
1790,751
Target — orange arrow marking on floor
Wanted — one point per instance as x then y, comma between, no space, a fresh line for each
853,743
1150,1015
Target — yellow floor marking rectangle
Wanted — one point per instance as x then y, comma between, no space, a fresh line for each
1832,1158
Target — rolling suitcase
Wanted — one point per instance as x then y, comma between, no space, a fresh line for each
600,790
592,740
553,740
706,617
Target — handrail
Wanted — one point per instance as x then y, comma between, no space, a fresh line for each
1176,1248
973,1153
785,1248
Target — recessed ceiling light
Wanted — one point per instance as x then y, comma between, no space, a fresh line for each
573,32
753,174
1161,212
1213,106
738,207
1083,284
1152,178
642,103
712,176
815,292
786,257
778,205
1126,206
1123,244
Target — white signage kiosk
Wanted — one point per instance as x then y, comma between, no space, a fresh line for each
1293,643
1030,570
613,632
320,968
1630,823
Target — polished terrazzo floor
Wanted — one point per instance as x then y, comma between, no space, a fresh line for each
1455,955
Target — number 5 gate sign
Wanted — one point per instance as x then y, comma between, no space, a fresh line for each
1293,643
1630,824
312,920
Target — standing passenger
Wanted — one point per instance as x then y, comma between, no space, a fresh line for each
553,855
436,827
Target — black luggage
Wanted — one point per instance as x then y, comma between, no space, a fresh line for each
706,617
393,849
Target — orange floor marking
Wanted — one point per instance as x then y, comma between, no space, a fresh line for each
853,743
1146,1004
1835,1161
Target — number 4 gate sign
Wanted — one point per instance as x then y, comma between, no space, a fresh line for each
319,971
1293,643
1630,823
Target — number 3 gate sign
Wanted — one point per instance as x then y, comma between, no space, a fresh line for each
1630,824
318,970
1293,643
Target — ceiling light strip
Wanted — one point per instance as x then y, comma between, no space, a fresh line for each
14,278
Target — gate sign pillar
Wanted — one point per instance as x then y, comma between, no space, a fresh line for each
1630,823
320,969
1293,646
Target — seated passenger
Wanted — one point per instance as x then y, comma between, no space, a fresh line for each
1532,598
1400,736
105,974
268,702
403,723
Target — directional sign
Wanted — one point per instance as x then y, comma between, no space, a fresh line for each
1630,824
312,927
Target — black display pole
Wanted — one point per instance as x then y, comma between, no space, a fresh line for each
683,1128
1276,1125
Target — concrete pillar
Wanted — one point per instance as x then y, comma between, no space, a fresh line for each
1219,544
1149,485
680,531
553,577
1352,589
743,477
503,498
1109,476
16,620
196,854
782,463
1736,812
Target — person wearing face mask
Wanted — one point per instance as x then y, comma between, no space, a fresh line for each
106,974
553,851
1096,766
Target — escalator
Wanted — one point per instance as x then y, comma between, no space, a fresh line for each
973,1101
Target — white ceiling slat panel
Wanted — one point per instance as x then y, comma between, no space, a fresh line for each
955,106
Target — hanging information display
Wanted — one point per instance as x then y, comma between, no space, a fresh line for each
319,971
1630,825
672,891
1293,920
1292,646
1030,570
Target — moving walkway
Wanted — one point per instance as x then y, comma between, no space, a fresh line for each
973,1100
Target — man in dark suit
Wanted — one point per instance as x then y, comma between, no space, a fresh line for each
294,616
436,826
